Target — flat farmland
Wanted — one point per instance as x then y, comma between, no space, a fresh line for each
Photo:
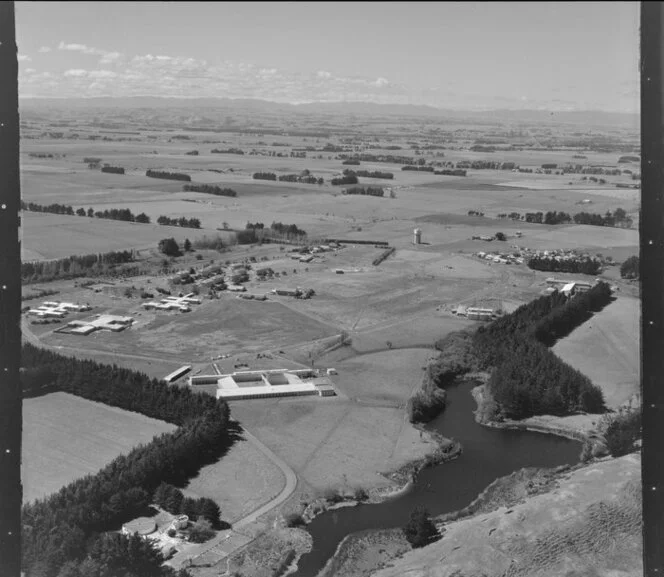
407,287
386,377
67,437
53,236
606,349
221,326
321,210
333,441
240,482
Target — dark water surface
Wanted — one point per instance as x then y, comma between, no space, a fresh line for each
488,453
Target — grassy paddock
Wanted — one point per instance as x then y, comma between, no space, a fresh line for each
66,437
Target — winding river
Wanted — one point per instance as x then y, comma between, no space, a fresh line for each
488,453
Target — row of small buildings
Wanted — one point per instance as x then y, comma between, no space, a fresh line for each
500,258
173,303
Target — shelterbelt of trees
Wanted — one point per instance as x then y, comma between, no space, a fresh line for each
63,534
368,173
526,377
576,266
167,175
209,189
123,214
181,222
278,227
75,266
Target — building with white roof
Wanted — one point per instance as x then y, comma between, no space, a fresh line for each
263,384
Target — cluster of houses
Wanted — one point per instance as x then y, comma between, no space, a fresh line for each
52,309
558,254
307,254
298,292
519,255
171,303
146,528
501,258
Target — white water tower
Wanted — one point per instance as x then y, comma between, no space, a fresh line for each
417,236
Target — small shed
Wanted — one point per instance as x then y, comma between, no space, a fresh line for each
568,289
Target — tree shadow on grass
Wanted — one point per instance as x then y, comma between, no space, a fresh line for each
234,434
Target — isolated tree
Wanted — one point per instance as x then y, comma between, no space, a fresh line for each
420,529
630,268
187,245
91,212
619,214
169,247
201,531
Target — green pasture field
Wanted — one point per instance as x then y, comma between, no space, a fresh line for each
606,349
67,437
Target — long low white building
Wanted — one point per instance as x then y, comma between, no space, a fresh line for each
263,384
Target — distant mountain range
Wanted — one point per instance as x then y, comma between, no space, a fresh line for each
581,117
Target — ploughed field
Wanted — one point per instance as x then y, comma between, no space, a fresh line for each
66,437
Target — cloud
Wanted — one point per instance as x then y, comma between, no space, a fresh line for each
44,50
117,74
24,58
107,56
102,74
75,73
76,48
110,58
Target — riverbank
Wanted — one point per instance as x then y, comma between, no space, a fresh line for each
582,427
402,479
361,554
586,522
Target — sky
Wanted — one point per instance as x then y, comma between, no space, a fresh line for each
458,55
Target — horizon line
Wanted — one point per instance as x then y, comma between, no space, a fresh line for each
296,104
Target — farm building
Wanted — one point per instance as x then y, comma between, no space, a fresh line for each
461,311
57,309
479,314
142,526
102,322
263,384
175,375
286,292
173,303
180,522
575,287
46,312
